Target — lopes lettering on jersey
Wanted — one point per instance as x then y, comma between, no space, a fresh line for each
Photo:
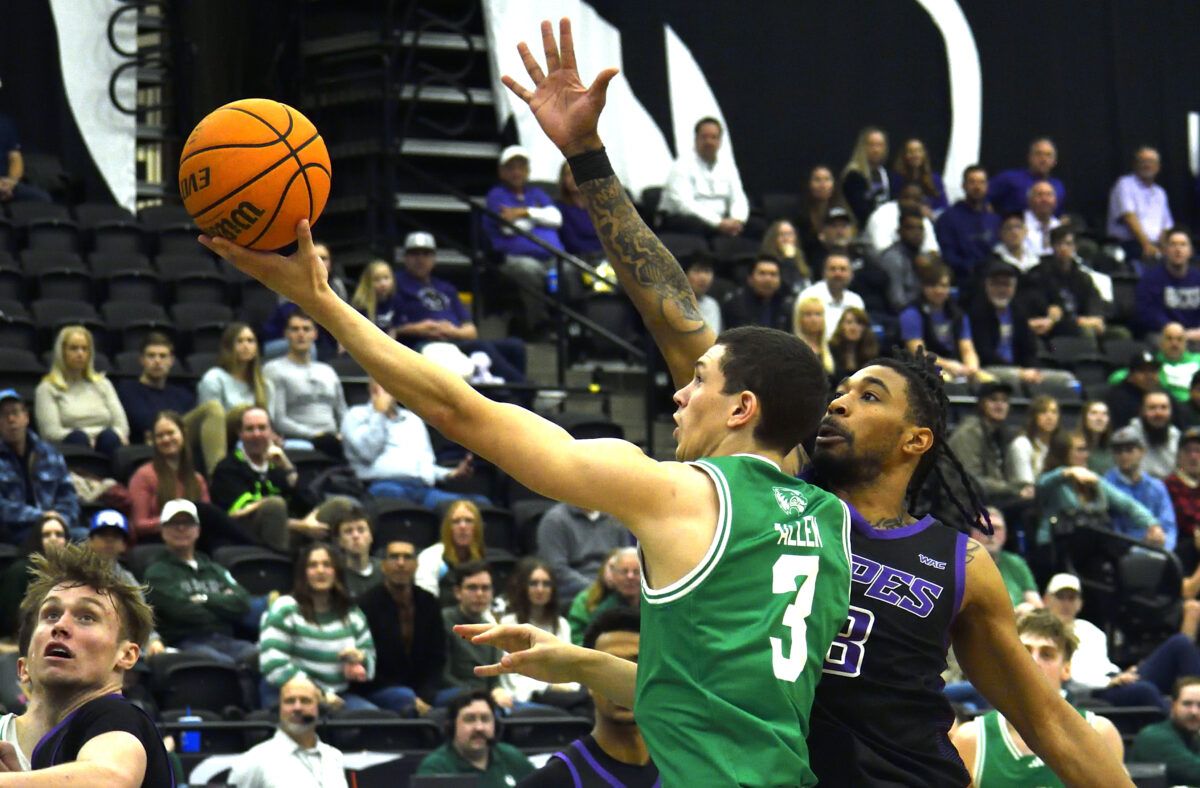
896,587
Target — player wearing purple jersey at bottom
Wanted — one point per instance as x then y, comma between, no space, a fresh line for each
879,717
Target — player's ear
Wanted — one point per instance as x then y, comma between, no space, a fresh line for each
127,654
917,441
745,408
22,670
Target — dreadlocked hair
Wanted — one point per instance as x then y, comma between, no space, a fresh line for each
927,407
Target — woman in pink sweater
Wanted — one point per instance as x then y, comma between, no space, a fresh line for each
169,475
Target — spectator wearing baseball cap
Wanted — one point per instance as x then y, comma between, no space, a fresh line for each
1126,475
1184,488
196,601
530,210
982,441
429,309
1124,399
34,478
1177,365
110,536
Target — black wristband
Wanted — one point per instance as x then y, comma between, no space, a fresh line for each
590,165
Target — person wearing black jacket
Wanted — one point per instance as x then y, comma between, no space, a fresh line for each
410,642
1059,282
762,301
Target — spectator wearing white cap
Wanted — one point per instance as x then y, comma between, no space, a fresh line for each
110,536
531,210
1126,475
704,193
429,309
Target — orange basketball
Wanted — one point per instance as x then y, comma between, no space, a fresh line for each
251,170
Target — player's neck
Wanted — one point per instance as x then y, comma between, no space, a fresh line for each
623,743
881,500
32,725
60,702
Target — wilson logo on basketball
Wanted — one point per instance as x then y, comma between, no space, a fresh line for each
240,219
190,184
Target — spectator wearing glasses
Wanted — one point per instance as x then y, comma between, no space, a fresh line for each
618,584
473,591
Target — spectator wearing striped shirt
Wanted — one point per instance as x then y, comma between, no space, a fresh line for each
316,631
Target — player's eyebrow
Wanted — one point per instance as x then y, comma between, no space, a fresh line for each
871,380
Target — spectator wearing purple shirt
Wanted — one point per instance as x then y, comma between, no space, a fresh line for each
937,324
1009,189
968,230
1170,293
428,309
531,210
1138,212
577,232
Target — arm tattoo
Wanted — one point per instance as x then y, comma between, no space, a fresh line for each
632,245
973,547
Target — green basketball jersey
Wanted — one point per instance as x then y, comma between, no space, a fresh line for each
731,653
999,764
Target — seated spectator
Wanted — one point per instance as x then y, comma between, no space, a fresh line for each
1170,292
1041,218
531,210
968,230
406,626
1153,425
533,599
1009,189
294,757
781,242
12,189
275,342
1067,486
1124,397
471,747
882,229
700,276
461,542
254,483
937,324
853,343
1006,345
1128,451
576,543
429,309
990,745
1178,366
1184,488
1014,571
578,234
1143,684
981,442
809,325
1138,211
762,301
317,632
237,379
704,194
1027,453
1188,413
1015,247
841,234
1096,428
617,585
473,594
49,534
375,294
833,291
911,165
109,536
901,260
143,399
865,181
390,451
1059,282
75,403
817,198
352,533
309,400
34,480
1173,742
196,601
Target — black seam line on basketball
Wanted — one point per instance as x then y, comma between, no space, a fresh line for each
278,137
282,199
226,147
256,178
307,184
283,137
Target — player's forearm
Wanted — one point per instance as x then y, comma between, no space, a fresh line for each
649,275
612,677
80,774
1073,749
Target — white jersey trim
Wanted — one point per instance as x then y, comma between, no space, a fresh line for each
772,463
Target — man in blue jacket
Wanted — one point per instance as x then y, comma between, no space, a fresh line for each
968,230
33,475
1170,293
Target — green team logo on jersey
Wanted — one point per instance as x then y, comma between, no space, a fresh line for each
790,501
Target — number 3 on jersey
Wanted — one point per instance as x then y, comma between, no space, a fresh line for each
846,653
783,581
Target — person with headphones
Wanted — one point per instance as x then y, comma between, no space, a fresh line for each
471,746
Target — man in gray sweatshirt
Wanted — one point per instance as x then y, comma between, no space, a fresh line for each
308,402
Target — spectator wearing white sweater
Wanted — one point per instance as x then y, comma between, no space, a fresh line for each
76,404
533,599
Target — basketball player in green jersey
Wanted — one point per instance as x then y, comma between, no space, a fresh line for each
745,568
991,748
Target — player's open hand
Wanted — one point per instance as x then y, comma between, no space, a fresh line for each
300,278
531,651
566,110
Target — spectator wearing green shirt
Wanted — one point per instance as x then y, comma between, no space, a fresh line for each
1174,741
1179,365
471,747
1018,579
618,584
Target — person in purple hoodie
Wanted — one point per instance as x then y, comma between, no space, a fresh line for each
1170,293
1009,190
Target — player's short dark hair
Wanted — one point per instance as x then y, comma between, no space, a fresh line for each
1045,624
76,565
468,568
707,119
1060,233
352,513
1182,683
463,700
157,338
786,376
618,619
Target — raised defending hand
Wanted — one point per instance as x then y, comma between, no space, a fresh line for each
300,278
566,110
531,651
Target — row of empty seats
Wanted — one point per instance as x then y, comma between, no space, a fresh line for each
96,226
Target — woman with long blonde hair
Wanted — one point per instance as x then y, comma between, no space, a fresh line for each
782,242
375,294
76,404
237,379
865,181
808,323
461,541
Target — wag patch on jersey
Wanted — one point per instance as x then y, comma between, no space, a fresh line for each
790,501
